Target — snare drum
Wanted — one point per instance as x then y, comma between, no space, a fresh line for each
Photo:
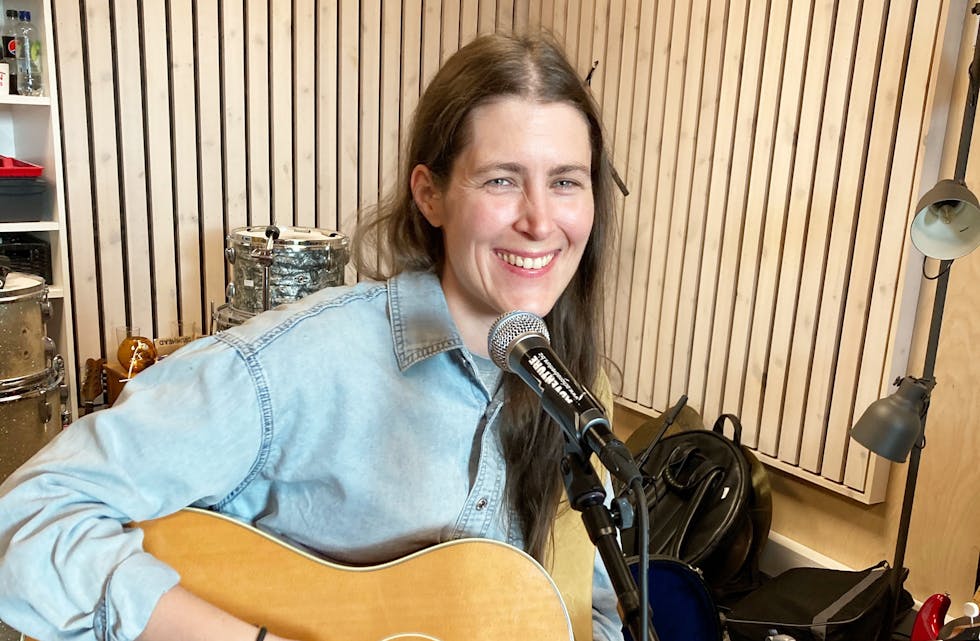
303,260
227,316
24,307
30,416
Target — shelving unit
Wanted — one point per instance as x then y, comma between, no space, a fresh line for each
30,130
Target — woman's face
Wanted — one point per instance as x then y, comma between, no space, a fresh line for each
516,213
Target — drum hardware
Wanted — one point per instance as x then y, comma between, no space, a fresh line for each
29,381
263,257
4,270
66,417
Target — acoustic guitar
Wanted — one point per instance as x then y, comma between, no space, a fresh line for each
464,590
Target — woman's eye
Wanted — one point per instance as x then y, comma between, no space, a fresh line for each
499,182
566,183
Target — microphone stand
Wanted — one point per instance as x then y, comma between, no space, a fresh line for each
587,496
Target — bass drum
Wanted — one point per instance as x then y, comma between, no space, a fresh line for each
30,416
683,609
303,260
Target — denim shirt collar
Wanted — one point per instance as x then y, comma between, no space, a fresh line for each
421,325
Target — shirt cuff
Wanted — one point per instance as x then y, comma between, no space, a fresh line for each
134,589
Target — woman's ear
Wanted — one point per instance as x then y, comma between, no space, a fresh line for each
426,195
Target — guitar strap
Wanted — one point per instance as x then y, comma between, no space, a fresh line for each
573,555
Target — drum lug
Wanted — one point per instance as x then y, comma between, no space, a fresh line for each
50,349
66,417
46,309
229,292
230,255
44,410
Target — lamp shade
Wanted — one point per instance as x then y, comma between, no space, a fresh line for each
891,426
947,221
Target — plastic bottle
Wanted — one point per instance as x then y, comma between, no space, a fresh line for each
8,54
29,80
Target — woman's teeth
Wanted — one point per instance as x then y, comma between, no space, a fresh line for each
526,262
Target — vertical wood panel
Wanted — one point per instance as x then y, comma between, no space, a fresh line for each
327,48
160,197
762,258
79,208
449,31
695,248
347,125
807,438
755,212
106,190
391,71
800,197
715,399
774,228
211,193
630,321
683,220
132,163
303,115
280,86
258,113
640,129
857,133
234,153
716,206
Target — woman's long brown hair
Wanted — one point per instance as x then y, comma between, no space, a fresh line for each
396,238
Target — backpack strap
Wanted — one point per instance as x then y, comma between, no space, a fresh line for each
689,474
719,427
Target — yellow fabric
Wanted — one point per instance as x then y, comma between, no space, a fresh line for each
573,554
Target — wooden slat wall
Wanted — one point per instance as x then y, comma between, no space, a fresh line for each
772,151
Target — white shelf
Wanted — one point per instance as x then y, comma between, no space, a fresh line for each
25,100
30,226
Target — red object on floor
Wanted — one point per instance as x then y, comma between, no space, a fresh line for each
930,618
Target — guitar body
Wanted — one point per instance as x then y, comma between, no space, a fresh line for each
466,590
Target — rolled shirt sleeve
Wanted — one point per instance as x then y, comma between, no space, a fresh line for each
69,569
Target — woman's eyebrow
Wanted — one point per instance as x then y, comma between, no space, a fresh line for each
568,169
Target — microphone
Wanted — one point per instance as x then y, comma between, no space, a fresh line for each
519,342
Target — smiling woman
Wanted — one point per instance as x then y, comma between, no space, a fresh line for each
503,202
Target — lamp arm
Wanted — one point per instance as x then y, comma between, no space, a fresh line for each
969,111
936,323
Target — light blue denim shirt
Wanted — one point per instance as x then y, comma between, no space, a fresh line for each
352,422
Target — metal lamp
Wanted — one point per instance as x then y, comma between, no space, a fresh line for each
947,221
946,226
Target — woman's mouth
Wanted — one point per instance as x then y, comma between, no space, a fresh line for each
526,262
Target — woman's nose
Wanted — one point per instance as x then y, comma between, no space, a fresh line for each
536,218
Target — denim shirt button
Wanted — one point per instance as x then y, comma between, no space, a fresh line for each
482,503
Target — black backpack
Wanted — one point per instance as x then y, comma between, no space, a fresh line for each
709,504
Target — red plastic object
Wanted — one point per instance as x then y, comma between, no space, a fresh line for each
13,168
930,618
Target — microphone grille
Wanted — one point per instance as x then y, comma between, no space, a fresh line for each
507,329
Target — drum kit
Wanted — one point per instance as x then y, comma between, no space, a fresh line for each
272,265
33,393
